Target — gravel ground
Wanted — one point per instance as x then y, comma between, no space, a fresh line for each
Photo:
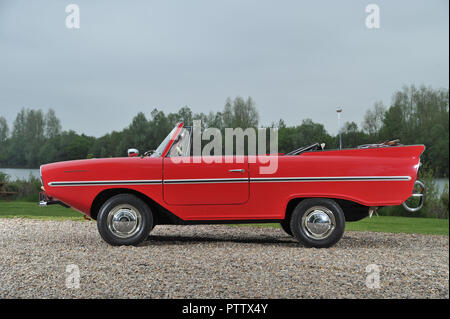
215,262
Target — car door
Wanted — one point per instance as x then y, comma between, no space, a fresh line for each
212,180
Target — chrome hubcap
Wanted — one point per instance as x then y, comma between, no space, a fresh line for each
124,221
318,222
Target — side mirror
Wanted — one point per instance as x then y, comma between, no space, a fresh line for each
132,152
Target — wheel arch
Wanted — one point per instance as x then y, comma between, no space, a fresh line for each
106,194
353,210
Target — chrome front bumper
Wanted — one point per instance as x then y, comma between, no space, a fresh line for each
44,201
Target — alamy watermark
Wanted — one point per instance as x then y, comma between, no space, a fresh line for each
73,276
251,145
373,277
373,17
73,17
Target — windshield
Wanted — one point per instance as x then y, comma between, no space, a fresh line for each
164,143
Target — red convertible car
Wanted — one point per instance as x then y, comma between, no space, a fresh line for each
312,193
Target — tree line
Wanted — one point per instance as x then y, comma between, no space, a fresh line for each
416,115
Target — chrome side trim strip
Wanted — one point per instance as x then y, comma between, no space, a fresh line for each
206,180
96,183
331,179
234,180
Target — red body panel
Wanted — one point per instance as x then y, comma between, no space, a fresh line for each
220,185
187,191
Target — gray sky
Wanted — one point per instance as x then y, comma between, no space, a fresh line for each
297,59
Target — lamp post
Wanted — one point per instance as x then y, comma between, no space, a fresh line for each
339,111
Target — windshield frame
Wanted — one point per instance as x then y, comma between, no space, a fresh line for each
185,139
165,145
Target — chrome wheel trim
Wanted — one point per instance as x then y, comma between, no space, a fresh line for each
318,222
124,221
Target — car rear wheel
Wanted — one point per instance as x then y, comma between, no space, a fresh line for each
318,222
124,220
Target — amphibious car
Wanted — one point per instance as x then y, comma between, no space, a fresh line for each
312,193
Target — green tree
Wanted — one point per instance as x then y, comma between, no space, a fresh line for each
420,116
415,116
373,119
52,124
27,136
352,136
290,138
4,129
240,113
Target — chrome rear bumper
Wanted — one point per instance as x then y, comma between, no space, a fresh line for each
418,192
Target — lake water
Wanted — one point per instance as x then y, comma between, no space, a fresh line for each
441,182
20,173
24,173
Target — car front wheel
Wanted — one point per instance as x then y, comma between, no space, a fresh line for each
124,220
318,222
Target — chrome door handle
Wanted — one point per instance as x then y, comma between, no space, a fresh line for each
241,170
